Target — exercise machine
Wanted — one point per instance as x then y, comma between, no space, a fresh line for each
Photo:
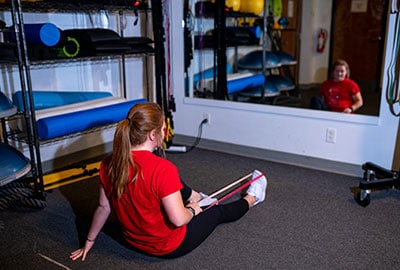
375,178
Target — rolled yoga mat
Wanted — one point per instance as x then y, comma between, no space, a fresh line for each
49,99
13,164
65,124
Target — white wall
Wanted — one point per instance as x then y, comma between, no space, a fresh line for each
287,130
313,65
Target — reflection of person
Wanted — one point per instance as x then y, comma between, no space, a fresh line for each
159,215
339,93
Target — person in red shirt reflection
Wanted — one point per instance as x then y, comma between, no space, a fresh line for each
339,93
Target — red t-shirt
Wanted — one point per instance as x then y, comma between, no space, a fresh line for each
339,95
144,223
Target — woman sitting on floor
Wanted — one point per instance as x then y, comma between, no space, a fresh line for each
159,214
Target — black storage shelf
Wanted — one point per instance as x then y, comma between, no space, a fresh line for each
64,7
22,62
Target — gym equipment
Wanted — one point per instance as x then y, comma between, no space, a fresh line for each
7,52
74,122
375,177
237,82
253,60
40,33
270,90
6,107
48,99
242,35
252,6
285,58
231,193
208,74
80,106
97,41
234,4
13,164
281,83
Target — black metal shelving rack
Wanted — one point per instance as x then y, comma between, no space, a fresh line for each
24,65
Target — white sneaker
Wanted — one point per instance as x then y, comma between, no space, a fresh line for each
258,188
206,200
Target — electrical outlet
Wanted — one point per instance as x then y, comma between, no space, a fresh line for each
330,135
208,117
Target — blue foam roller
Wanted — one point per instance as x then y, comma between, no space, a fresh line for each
241,84
69,123
49,99
46,34
270,90
6,106
253,60
282,83
13,164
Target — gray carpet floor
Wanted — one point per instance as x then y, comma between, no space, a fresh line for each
309,220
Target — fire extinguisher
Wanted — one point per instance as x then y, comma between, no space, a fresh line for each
321,40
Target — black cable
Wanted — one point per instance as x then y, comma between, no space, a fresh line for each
198,138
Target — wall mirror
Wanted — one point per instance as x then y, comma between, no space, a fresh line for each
355,32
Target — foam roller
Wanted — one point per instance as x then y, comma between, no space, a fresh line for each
65,124
49,99
241,84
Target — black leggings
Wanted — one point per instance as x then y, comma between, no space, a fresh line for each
202,225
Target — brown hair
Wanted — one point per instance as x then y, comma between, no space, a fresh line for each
341,62
133,131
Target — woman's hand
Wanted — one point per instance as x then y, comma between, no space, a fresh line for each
82,252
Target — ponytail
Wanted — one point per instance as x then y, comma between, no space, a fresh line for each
132,131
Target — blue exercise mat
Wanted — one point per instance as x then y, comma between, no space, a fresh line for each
241,84
69,123
254,60
13,164
49,99
6,107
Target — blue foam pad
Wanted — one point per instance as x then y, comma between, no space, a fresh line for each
253,60
241,84
282,83
13,164
69,123
49,99
270,90
6,107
